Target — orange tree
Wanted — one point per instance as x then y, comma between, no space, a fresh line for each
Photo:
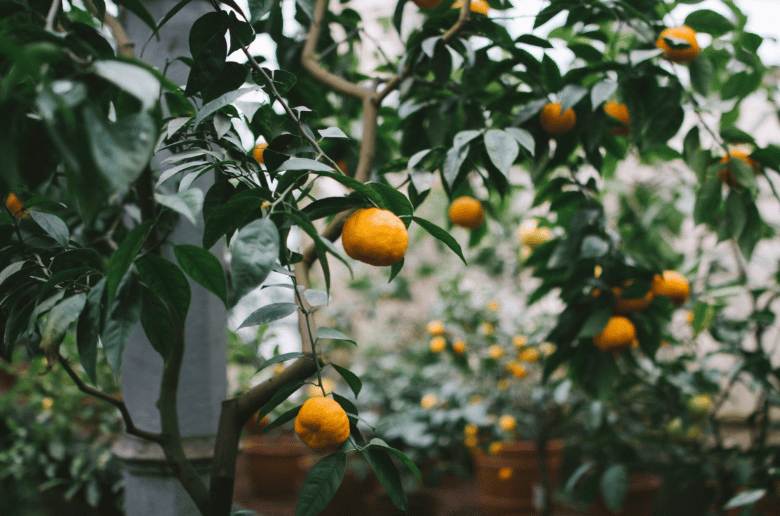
465,103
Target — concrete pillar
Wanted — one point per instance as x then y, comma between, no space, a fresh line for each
150,487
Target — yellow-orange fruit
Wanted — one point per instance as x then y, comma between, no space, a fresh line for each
258,151
684,34
466,212
619,333
673,285
321,423
619,112
555,122
374,236
476,6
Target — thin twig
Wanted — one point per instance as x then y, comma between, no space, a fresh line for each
53,9
130,427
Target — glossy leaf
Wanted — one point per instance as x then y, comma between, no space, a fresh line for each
253,253
388,475
442,235
614,487
320,484
203,267
135,80
269,313
167,281
351,378
52,225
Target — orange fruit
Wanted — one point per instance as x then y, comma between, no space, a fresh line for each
619,112
673,285
427,4
507,422
459,347
466,212
476,6
374,236
258,151
321,423
619,333
626,306
530,355
438,344
555,122
435,328
682,34
14,205
727,176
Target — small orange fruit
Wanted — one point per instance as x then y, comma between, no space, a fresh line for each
495,352
530,355
626,306
438,344
507,422
466,212
427,4
258,151
374,236
429,401
619,112
321,423
14,205
476,6
682,34
727,175
618,334
435,328
555,122
673,285
459,347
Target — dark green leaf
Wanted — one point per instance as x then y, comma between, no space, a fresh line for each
709,22
229,217
52,225
392,199
269,313
351,378
60,317
702,72
123,258
207,65
733,216
595,322
253,253
614,486
321,483
401,456
708,201
167,281
203,267
276,359
88,329
282,394
124,313
157,324
135,80
388,475
279,421
442,235
137,8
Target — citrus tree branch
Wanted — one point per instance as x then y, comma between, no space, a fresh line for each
130,427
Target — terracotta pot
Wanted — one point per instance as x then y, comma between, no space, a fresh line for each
509,482
642,489
273,465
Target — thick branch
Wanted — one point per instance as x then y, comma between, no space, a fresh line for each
169,422
130,428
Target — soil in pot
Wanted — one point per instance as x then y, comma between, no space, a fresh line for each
509,483
273,465
640,497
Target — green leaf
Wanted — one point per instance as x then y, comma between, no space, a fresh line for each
614,486
709,22
401,456
388,475
734,216
228,217
282,394
702,71
253,253
276,359
88,329
121,150
188,203
351,378
64,313
601,92
316,298
593,246
745,498
157,324
703,315
442,235
595,322
52,225
124,256
137,8
330,333
208,65
203,267
392,199
305,164
218,103
279,421
124,313
708,200
167,281
456,155
269,313
135,80
502,149
321,483
570,95
523,137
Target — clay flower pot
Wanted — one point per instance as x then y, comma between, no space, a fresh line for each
273,466
642,488
508,483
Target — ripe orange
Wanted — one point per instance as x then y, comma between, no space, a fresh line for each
14,205
466,212
626,306
619,333
727,175
427,4
258,151
435,328
530,355
673,285
374,236
459,347
322,424
555,122
507,422
438,344
477,6
683,34
619,112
